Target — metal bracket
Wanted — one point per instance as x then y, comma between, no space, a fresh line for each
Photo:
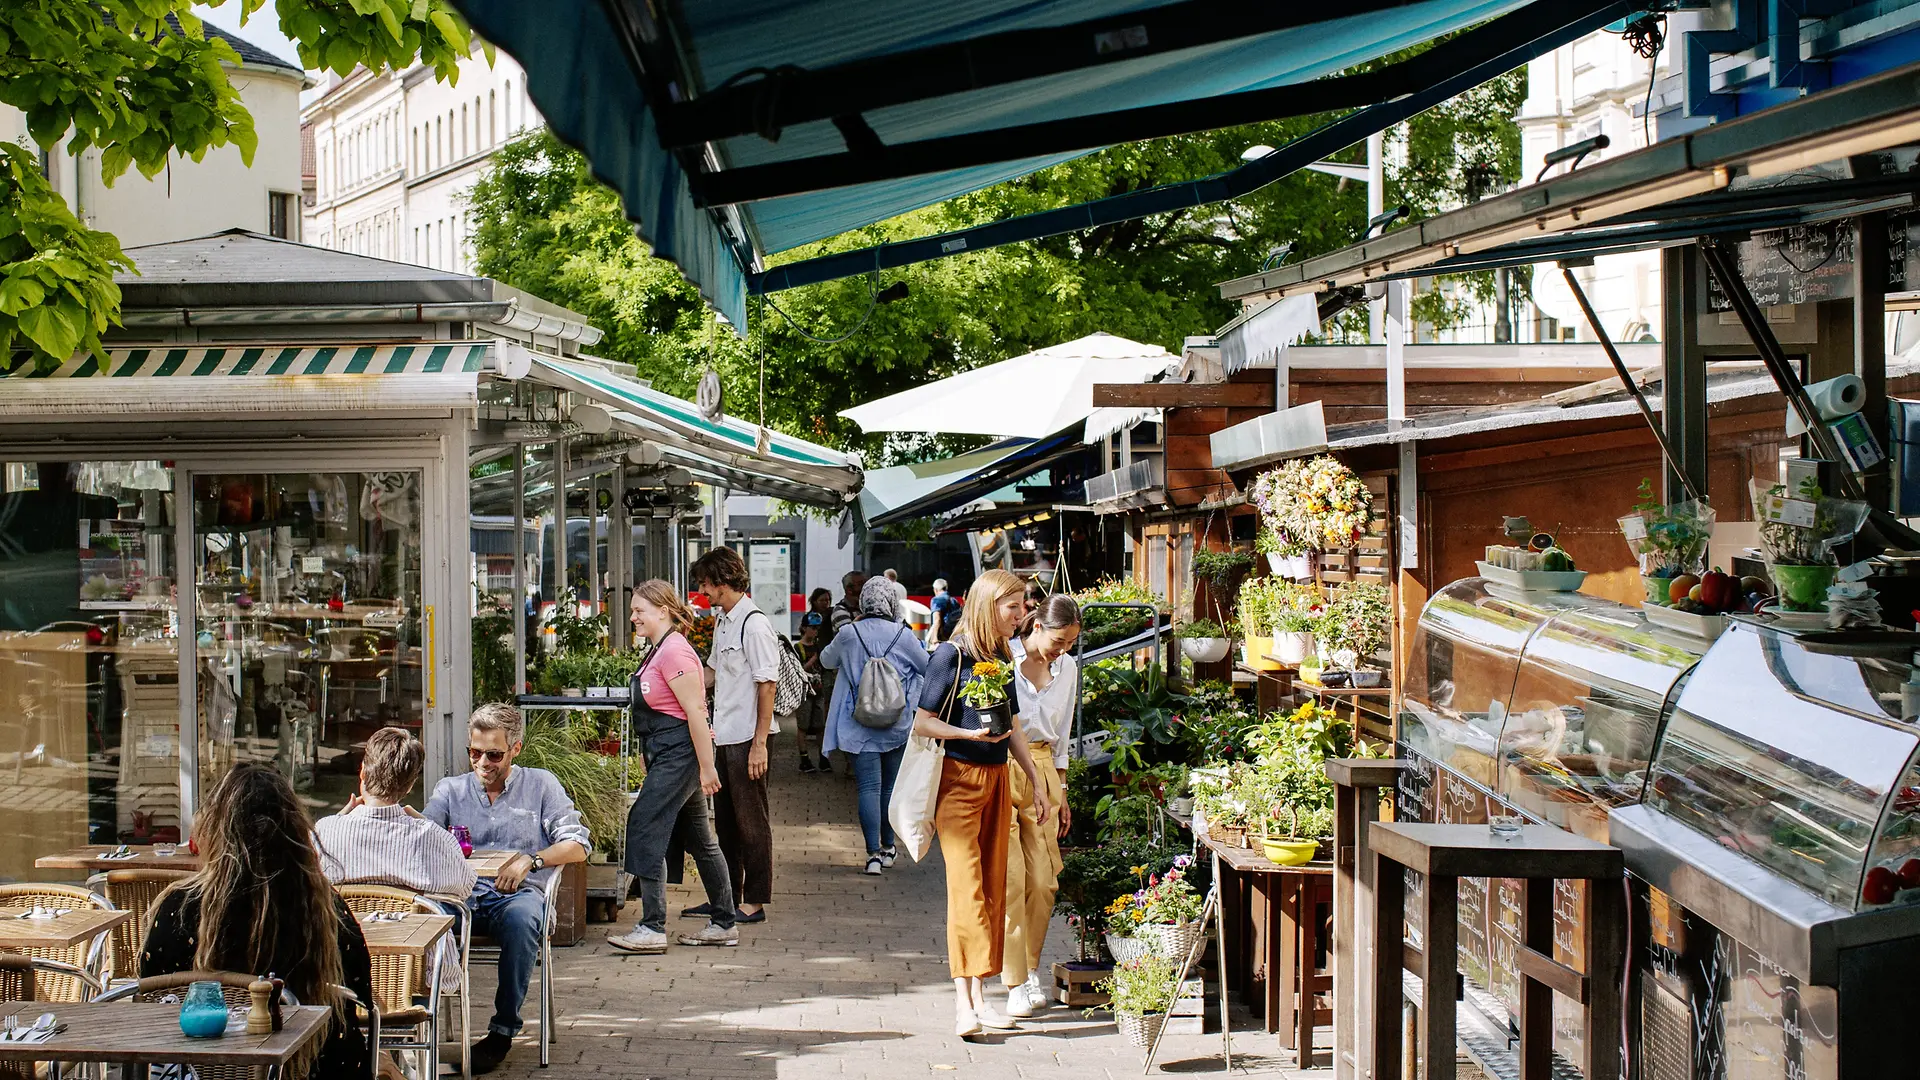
1787,69
1699,49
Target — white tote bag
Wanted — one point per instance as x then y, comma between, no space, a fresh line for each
916,790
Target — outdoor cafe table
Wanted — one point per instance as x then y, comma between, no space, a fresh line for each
487,864
92,858
412,936
135,1034
60,932
1271,925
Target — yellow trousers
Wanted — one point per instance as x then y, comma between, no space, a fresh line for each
970,818
1033,866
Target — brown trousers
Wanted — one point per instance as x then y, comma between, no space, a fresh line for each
971,817
743,826
1033,866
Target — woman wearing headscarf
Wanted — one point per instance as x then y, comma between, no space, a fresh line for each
876,752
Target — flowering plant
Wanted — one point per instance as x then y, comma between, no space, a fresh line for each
1141,986
988,687
700,634
1354,625
1318,503
1169,898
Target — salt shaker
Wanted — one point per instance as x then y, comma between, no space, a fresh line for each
260,1007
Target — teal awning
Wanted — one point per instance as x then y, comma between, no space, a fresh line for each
701,115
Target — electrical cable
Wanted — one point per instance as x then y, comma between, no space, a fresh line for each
873,304
1646,36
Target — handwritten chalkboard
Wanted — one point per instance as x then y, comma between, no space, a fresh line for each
1413,789
1808,263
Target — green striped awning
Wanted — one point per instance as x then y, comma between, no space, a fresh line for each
428,358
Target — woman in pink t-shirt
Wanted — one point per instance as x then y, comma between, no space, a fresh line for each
669,704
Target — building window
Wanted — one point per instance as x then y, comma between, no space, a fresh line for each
283,215
426,251
509,100
465,147
493,119
439,148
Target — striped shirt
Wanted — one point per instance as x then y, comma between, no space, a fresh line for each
385,845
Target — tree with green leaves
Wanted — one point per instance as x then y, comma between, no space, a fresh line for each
141,81
544,224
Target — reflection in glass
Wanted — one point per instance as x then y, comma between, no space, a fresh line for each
89,663
307,621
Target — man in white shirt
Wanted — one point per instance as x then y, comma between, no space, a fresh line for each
900,591
746,670
377,840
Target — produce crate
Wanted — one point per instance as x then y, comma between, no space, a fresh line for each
1073,983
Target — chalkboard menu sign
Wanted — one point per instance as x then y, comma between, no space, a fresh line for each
1804,264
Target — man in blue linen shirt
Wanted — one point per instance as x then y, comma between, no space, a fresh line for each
509,808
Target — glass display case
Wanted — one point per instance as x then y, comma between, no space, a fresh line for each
1792,756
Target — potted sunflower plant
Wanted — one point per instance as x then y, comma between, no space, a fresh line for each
986,692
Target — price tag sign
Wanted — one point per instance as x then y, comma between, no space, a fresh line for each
1796,512
1634,526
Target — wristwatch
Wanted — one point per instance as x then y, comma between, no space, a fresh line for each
538,863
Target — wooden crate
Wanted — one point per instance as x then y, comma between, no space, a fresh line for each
607,888
1073,984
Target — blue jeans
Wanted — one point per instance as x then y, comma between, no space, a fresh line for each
875,773
513,921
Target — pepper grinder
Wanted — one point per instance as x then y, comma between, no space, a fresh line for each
260,1010
277,1000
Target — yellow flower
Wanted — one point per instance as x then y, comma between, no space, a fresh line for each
1137,870
986,669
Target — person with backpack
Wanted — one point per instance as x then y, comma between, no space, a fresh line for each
881,665
946,614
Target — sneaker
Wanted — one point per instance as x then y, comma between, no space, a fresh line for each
806,763
826,766
1019,1004
712,934
887,855
488,1053
992,1018
966,1022
698,911
1038,997
640,940
875,864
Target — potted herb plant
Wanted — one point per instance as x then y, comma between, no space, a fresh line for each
1222,569
987,693
1287,847
1204,641
1140,991
1799,532
1353,627
1259,603
1296,615
1669,540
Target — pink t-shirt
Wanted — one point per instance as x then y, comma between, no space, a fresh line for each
672,659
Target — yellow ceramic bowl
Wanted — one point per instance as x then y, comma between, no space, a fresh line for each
1289,852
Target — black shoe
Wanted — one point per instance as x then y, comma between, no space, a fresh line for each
489,1052
699,911
806,764
743,917
826,766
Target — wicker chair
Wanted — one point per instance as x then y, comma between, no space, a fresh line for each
89,957
135,891
408,991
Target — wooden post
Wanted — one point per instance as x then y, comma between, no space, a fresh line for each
1536,998
1356,805
1439,973
1606,929
1389,953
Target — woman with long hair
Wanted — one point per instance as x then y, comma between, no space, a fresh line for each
1046,678
876,751
974,808
260,903
669,707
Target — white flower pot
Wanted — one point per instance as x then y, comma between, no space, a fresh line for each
1182,806
1365,678
1292,647
1124,949
1205,650
1297,567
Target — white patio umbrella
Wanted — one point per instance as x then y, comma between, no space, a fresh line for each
1029,396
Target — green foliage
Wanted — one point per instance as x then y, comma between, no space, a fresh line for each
1222,569
492,652
141,81
1104,626
1091,877
580,668
591,780
1141,986
56,275
1356,620
1202,628
574,632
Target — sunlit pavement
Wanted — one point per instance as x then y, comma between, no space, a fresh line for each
846,978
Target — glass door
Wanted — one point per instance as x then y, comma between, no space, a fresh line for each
307,621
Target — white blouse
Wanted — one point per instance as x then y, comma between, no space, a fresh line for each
1046,715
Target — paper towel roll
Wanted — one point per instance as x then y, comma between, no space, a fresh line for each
1832,399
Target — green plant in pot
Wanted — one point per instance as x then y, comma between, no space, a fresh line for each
1204,641
1354,625
1260,602
1139,993
1668,539
1799,532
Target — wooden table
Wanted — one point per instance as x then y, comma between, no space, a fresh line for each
60,932
136,1034
1271,923
412,936
488,863
91,859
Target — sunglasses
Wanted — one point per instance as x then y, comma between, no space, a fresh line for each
494,756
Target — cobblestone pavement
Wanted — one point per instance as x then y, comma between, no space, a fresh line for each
846,978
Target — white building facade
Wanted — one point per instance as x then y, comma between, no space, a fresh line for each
195,198
395,155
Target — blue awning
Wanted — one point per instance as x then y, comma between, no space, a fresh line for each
598,69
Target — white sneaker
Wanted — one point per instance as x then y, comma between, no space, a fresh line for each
991,1017
640,940
1019,1002
1038,998
965,1023
887,855
712,934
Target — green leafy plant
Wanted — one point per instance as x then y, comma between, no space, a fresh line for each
574,632
1142,986
1104,626
1091,878
1672,539
1221,569
590,779
1202,628
988,687
1260,602
492,652
1355,623
1298,608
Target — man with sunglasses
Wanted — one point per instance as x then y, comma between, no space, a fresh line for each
508,807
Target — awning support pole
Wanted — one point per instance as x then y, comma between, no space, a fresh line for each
1626,379
1721,265
619,562
519,612
560,523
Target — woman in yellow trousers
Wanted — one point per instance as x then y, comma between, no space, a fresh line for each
974,807
1045,676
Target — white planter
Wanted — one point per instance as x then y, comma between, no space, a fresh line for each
1124,949
1205,650
1297,567
1365,678
1182,806
1292,647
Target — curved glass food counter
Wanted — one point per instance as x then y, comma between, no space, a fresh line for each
1765,789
